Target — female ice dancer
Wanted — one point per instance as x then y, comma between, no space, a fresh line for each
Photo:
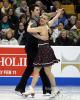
45,56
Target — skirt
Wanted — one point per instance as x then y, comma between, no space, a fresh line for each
45,56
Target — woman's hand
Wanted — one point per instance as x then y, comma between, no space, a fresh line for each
30,23
60,10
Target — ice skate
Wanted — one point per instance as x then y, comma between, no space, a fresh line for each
55,92
29,92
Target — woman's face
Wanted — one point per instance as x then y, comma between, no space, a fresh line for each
73,20
5,19
9,35
63,34
6,4
43,19
23,20
21,26
10,11
61,26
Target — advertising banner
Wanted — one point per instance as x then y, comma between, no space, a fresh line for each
13,61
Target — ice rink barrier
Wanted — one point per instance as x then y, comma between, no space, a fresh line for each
13,61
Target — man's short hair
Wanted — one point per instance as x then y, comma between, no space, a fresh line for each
32,7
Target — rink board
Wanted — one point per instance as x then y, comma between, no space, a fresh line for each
13,61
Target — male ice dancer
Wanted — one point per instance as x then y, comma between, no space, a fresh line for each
31,49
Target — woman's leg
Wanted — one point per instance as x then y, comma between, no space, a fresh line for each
50,76
55,91
34,81
45,82
35,76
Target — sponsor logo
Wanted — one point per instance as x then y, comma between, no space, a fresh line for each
12,64
75,63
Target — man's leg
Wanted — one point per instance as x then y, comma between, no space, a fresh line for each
28,71
22,84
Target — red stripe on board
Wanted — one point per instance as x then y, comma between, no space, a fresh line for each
12,50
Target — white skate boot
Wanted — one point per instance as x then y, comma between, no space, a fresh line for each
55,92
29,92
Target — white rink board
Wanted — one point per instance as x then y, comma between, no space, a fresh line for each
69,55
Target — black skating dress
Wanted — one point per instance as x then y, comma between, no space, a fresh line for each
45,56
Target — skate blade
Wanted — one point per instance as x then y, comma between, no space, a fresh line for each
57,94
18,93
26,95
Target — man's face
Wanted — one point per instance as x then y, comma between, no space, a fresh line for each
36,11
23,5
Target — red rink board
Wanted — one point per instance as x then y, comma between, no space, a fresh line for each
13,61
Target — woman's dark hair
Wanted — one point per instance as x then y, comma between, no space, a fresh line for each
22,16
3,15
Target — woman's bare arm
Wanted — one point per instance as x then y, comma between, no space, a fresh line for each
33,30
56,17
52,14
40,37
